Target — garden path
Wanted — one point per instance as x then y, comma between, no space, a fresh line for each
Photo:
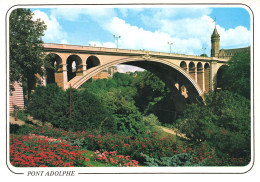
18,121
173,132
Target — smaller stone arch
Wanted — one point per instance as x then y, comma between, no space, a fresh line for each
192,69
92,61
206,77
183,65
220,79
74,66
53,68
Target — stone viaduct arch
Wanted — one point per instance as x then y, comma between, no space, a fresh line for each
195,74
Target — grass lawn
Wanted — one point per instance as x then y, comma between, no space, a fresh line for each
94,163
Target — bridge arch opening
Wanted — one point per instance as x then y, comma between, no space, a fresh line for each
200,75
74,66
220,79
92,61
206,79
186,91
183,65
53,71
192,69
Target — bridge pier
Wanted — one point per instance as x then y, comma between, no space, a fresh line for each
65,75
213,73
203,80
84,69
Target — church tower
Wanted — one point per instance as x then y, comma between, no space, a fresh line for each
215,43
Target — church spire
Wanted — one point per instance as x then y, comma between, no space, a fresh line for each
215,33
215,38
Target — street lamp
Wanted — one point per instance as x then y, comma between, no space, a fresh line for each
170,44
117,37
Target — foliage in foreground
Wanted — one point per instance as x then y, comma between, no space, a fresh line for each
52,104
139,149
98,104
224,122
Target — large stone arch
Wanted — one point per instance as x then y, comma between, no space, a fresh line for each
166,70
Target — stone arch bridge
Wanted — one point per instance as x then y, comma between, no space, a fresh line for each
186,75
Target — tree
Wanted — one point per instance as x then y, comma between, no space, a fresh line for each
224,122
204,55
150,89
26,50
237,75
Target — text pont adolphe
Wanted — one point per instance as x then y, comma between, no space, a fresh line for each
51,173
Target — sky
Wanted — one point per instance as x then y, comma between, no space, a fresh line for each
188,29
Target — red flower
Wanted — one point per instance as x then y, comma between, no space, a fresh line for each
111,160
42,166
68,165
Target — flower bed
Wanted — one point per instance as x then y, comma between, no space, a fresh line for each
136,148
40,151
114,159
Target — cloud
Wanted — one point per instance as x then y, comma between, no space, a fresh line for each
54,32
236,37
126,68
133,37
64,41
102,44
70,14
124,11
193,33
180,13
98,14
189,29
155,17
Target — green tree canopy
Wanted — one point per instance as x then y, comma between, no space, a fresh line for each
26,50
150,89
224,122
237,75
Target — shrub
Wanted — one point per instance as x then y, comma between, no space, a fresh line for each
24,129
14,128
151,124
183,159
52,104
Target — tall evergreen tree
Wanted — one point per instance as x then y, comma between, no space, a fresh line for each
26,51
